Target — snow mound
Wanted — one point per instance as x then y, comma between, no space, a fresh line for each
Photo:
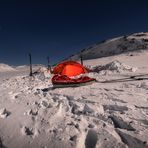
42,73
4,68
113,67
42,69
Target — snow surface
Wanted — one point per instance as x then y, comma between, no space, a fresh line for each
112,112
5,67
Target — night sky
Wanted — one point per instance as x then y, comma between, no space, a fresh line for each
59,28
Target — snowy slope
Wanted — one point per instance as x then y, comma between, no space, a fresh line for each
7,71
123,44
5,67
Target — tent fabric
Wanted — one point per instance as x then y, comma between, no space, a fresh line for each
69,68
63,79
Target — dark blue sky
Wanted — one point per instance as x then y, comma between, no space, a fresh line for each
59,28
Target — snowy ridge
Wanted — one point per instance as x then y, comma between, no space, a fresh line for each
5,67
123,44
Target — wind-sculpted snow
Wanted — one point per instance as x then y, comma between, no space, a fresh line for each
113,67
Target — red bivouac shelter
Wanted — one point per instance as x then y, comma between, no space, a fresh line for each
65,70
69,68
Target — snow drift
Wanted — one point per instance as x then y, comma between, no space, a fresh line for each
112,67
4,68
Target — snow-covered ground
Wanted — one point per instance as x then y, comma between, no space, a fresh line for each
5,67
112,112
7,71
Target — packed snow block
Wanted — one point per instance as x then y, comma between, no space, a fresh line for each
109,139
120,123
45,104
93,109
41,74
131,140
88,109
76,107
115,108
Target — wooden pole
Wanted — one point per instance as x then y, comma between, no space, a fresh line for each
81,60
48,61
30,62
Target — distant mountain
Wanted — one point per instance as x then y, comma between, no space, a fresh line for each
27,66
123,44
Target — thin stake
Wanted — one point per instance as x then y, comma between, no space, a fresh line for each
30,62
81,60
48,61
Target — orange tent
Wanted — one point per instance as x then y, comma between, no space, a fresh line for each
69,68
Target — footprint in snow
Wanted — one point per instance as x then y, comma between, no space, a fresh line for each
4,113
27,131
